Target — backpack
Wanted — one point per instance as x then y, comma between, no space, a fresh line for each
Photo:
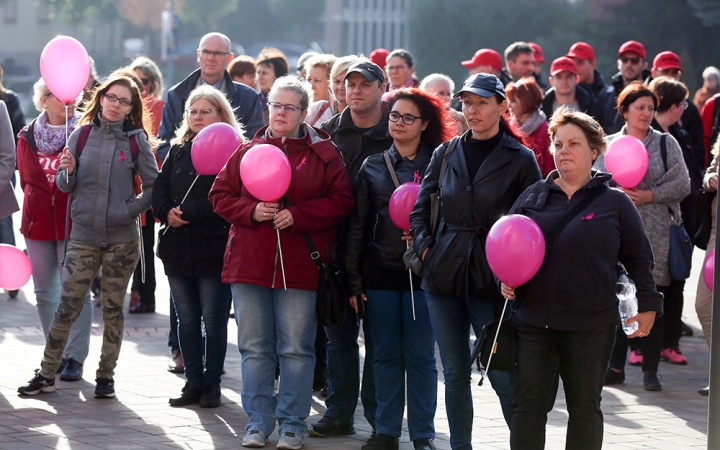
85,133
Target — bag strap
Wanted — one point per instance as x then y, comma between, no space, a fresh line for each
663,150
314,254
386,155
570,215
444,165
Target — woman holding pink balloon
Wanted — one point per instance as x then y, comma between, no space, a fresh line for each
288,184
40,146
567,313
192,242
99,170
478,175
377,238
656,185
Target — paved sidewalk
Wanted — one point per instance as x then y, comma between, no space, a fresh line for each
140,418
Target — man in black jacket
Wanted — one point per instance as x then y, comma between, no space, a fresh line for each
359,131
584,56
632,66
519,61
565,91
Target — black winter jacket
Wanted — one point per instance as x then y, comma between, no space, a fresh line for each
196,249
371,234
613,121
455,263
586,103
604,95
575,286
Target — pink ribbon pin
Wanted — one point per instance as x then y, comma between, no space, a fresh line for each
589,216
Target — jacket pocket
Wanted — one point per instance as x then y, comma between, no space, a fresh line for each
119,215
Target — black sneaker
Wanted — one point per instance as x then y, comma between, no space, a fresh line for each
210,396
105,388
37,385
62,365
613,377
328,427
381,442
651,382
72,372
190,394
424,444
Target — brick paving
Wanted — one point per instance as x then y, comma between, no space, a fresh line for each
140,418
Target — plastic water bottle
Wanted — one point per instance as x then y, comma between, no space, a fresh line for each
627,305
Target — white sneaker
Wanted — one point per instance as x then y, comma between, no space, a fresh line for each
290,441
254,439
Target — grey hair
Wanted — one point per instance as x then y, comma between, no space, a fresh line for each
342,65
293,84
150,70
711,72
218,35
40,90
433,77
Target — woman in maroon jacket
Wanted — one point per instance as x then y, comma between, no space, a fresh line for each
276,313
525,101
43,220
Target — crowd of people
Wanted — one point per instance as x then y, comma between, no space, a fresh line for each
353,130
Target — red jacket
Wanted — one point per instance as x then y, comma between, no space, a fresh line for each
44,205
320,195
540,145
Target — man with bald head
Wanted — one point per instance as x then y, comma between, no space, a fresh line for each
214,53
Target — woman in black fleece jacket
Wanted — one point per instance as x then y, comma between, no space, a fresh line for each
567,313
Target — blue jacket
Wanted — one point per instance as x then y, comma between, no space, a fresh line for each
244,100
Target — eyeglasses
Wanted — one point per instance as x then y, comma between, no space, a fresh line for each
634,60
145,81
201,112
684,105
278,106
112,98
408,119
208,53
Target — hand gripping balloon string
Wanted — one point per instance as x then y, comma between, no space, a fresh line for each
282,265
183,200
497,333
412,293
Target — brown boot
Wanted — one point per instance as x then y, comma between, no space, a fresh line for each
177,365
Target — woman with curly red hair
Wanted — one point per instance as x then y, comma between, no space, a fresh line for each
378,280
525,98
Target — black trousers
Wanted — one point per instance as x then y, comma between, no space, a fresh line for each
146,289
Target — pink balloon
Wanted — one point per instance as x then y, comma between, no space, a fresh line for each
515,249
213,146
402,202
265,172
708,270
15,268
627,160
65,67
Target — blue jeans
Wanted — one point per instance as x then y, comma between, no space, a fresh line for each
276,325
46,258
198,301
543,356
451,318
343,366
403,345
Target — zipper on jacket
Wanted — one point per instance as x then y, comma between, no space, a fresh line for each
377,219
547,311
229,248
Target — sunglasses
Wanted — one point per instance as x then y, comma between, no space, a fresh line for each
633,60
145,81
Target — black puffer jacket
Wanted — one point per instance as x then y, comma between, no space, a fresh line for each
371,233
587,103
196,249
455,263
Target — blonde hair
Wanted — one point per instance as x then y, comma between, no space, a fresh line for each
590,127
325,61
150,70
184,133
342,64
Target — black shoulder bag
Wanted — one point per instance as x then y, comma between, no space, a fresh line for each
497,341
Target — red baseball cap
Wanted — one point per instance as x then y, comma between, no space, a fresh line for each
537,52
632,46
582,50
378,56
667,60
561,64
485,57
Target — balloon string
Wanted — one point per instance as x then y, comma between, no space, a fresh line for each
183,200
497,333
412,292
282,265
67,176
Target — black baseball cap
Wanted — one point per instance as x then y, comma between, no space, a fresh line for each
484,85
368,69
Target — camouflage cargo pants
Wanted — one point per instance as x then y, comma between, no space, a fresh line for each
81,264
